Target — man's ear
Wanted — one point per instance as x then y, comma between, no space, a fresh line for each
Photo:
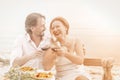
32,28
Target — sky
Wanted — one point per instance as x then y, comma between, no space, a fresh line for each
96,22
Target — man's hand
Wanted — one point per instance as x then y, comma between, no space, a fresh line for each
36,54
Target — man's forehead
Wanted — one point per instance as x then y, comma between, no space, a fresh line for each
41,20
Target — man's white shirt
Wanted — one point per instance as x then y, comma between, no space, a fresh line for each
24,45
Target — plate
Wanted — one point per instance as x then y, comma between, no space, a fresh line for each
26,68
44,75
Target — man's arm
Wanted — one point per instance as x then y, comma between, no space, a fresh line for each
21,60
16,51
24,59
17,57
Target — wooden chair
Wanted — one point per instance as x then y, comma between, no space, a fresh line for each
106,64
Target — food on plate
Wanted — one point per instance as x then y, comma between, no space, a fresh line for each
42,75
26,68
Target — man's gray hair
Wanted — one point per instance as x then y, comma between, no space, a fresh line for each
31,20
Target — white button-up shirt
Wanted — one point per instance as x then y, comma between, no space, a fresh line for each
24,45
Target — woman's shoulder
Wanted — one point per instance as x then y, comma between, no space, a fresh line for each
74,38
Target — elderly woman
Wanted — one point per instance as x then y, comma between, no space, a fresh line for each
66,53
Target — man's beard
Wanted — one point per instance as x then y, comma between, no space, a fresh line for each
42,34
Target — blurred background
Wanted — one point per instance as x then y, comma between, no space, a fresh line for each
95,22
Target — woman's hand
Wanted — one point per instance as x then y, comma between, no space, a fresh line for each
60,51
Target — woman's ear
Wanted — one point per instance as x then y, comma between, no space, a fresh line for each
66,30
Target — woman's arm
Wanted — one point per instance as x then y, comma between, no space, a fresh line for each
49,59
79,57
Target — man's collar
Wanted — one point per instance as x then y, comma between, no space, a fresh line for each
29,38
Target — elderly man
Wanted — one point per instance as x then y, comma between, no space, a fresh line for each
27,50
